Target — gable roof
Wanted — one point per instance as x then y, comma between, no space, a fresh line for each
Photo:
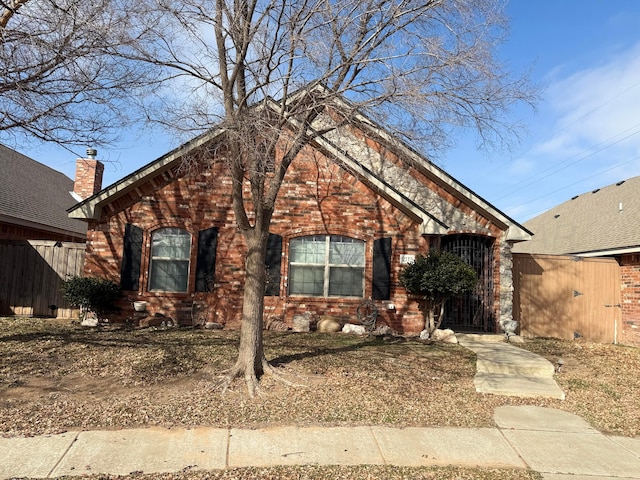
350,152
36,196
605,221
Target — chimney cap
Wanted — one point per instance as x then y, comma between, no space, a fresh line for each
91,153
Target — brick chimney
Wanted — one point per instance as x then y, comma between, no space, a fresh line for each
88,175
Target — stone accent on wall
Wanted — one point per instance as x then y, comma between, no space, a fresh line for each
411,182
506,281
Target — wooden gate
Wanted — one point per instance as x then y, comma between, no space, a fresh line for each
31,273
472,311
567,297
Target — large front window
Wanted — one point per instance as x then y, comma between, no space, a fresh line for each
326,266
170,251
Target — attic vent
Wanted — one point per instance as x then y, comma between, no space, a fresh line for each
573,198
620,183
596,190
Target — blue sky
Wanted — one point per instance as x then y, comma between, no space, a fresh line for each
585,133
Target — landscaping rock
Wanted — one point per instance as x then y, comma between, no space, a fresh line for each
382,330
156,320
276,324
213,326
356,329
447,336
328,324
302,322
90,320
424,335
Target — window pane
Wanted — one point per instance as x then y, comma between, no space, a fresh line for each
307,249
346,281
169,275
305,280
170,252
346,251
171,243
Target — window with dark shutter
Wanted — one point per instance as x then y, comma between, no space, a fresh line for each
169,260
326,266
381,269
131,256
206,262
273,263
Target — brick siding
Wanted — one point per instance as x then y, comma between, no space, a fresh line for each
630,299
88,178
317,197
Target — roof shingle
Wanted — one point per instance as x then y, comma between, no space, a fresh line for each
605,219
35,193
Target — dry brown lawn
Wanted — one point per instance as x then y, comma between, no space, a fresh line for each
57,376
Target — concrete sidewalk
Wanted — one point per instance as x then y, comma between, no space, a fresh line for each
558,444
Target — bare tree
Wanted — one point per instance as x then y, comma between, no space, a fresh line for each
271,73
57,82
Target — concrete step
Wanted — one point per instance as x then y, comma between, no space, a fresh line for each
517,386
481,337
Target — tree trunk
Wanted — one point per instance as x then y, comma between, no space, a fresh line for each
429,315
251,362
440,317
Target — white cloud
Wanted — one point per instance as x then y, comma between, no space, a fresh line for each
597,107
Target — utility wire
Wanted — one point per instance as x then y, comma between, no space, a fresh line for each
555,168
617,165
557,132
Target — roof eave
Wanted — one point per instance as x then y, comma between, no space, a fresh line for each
91,208
41,226
517,234
608,253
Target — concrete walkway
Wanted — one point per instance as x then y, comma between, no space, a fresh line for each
560,445
504,369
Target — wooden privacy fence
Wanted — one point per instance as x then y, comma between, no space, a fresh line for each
31,272
567,297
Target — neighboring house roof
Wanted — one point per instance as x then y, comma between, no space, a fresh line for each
394,184
602,222
35,196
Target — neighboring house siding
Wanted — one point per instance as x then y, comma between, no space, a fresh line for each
317,198
630,299
17,232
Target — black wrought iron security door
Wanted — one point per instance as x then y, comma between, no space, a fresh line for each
474,310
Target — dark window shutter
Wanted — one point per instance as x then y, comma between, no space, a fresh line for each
381,269
131,256
206,262
273,262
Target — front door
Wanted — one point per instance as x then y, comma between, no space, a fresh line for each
474,310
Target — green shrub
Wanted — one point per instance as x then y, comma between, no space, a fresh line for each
434,278
91,294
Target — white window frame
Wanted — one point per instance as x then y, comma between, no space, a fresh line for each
327,266
156,258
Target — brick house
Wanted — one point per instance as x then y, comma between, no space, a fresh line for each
603,223
39,244
353,208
